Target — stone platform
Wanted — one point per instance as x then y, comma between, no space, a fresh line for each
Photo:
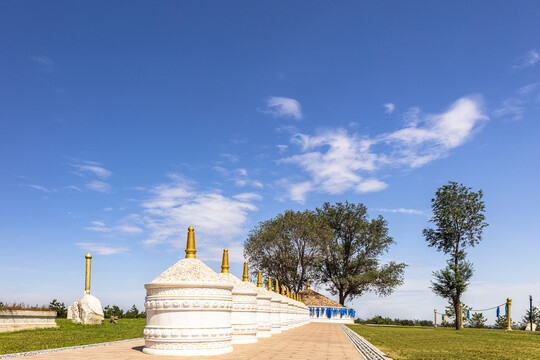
315,341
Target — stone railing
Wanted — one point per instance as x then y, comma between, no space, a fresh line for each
13,320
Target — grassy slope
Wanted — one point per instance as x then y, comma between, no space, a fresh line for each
445,343
70,334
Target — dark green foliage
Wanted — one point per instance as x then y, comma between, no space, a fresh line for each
350,263
379,320
114,310
285,247
501,322
458,215
477,321
59,307
525,320
134,313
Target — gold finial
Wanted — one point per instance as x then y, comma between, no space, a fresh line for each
269,283
299,297
190,248
88,258
245,277
288,293
225,262
277,286
259,279
283,290
307,285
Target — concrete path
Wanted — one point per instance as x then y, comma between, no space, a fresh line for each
314,341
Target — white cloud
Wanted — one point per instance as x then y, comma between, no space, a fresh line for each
37,187
282,148
527,60
338,161
45,62
99,186
174,206
129,225
239,177
512,107
92,169
404,211
230,157
284,107
101,249
389,108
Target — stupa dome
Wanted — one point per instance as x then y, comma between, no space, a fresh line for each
188,270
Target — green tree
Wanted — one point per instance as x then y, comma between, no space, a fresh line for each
350,263
478,320
59,307
525,320
458,215
114,310
285,247
132,313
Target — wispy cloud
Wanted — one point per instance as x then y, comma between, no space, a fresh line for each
44,61
239,176
92,168
404,211
129,225
99,186
514,107
338,161
389,108
174,206
284,107
101,249
229,157
37,187
527,60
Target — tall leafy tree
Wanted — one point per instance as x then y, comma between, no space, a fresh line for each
350,263
285,247
458,216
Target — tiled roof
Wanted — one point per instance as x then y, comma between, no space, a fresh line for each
313,298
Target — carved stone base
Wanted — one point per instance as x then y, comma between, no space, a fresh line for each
187,349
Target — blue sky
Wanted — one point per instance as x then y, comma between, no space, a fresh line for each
124,123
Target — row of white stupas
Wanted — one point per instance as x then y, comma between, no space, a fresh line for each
191,310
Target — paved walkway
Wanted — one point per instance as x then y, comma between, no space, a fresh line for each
314,341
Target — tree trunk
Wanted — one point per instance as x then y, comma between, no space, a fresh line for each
458,315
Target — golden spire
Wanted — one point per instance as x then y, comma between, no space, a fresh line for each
288,293
88,258
307,285
269,283
245,277
283,290
259,279
299,297
225,262
277,286
190,248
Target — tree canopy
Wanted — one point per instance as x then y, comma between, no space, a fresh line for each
350,260
285,247
458,215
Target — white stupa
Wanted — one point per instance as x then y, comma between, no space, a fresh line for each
275,308
244,305
188,309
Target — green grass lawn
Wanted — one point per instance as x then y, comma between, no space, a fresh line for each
70,334
401,342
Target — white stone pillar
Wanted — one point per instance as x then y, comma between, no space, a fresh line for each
275,315
264,322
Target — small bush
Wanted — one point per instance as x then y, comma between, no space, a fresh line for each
22,306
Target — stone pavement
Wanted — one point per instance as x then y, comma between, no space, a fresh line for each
314,341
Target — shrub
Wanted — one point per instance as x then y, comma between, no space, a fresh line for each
59,307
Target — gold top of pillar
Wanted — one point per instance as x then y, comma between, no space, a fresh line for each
259,279
288,293
277,286
245,276
307,285
190,247
88,256
299,297
269,283
283,290
225,262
